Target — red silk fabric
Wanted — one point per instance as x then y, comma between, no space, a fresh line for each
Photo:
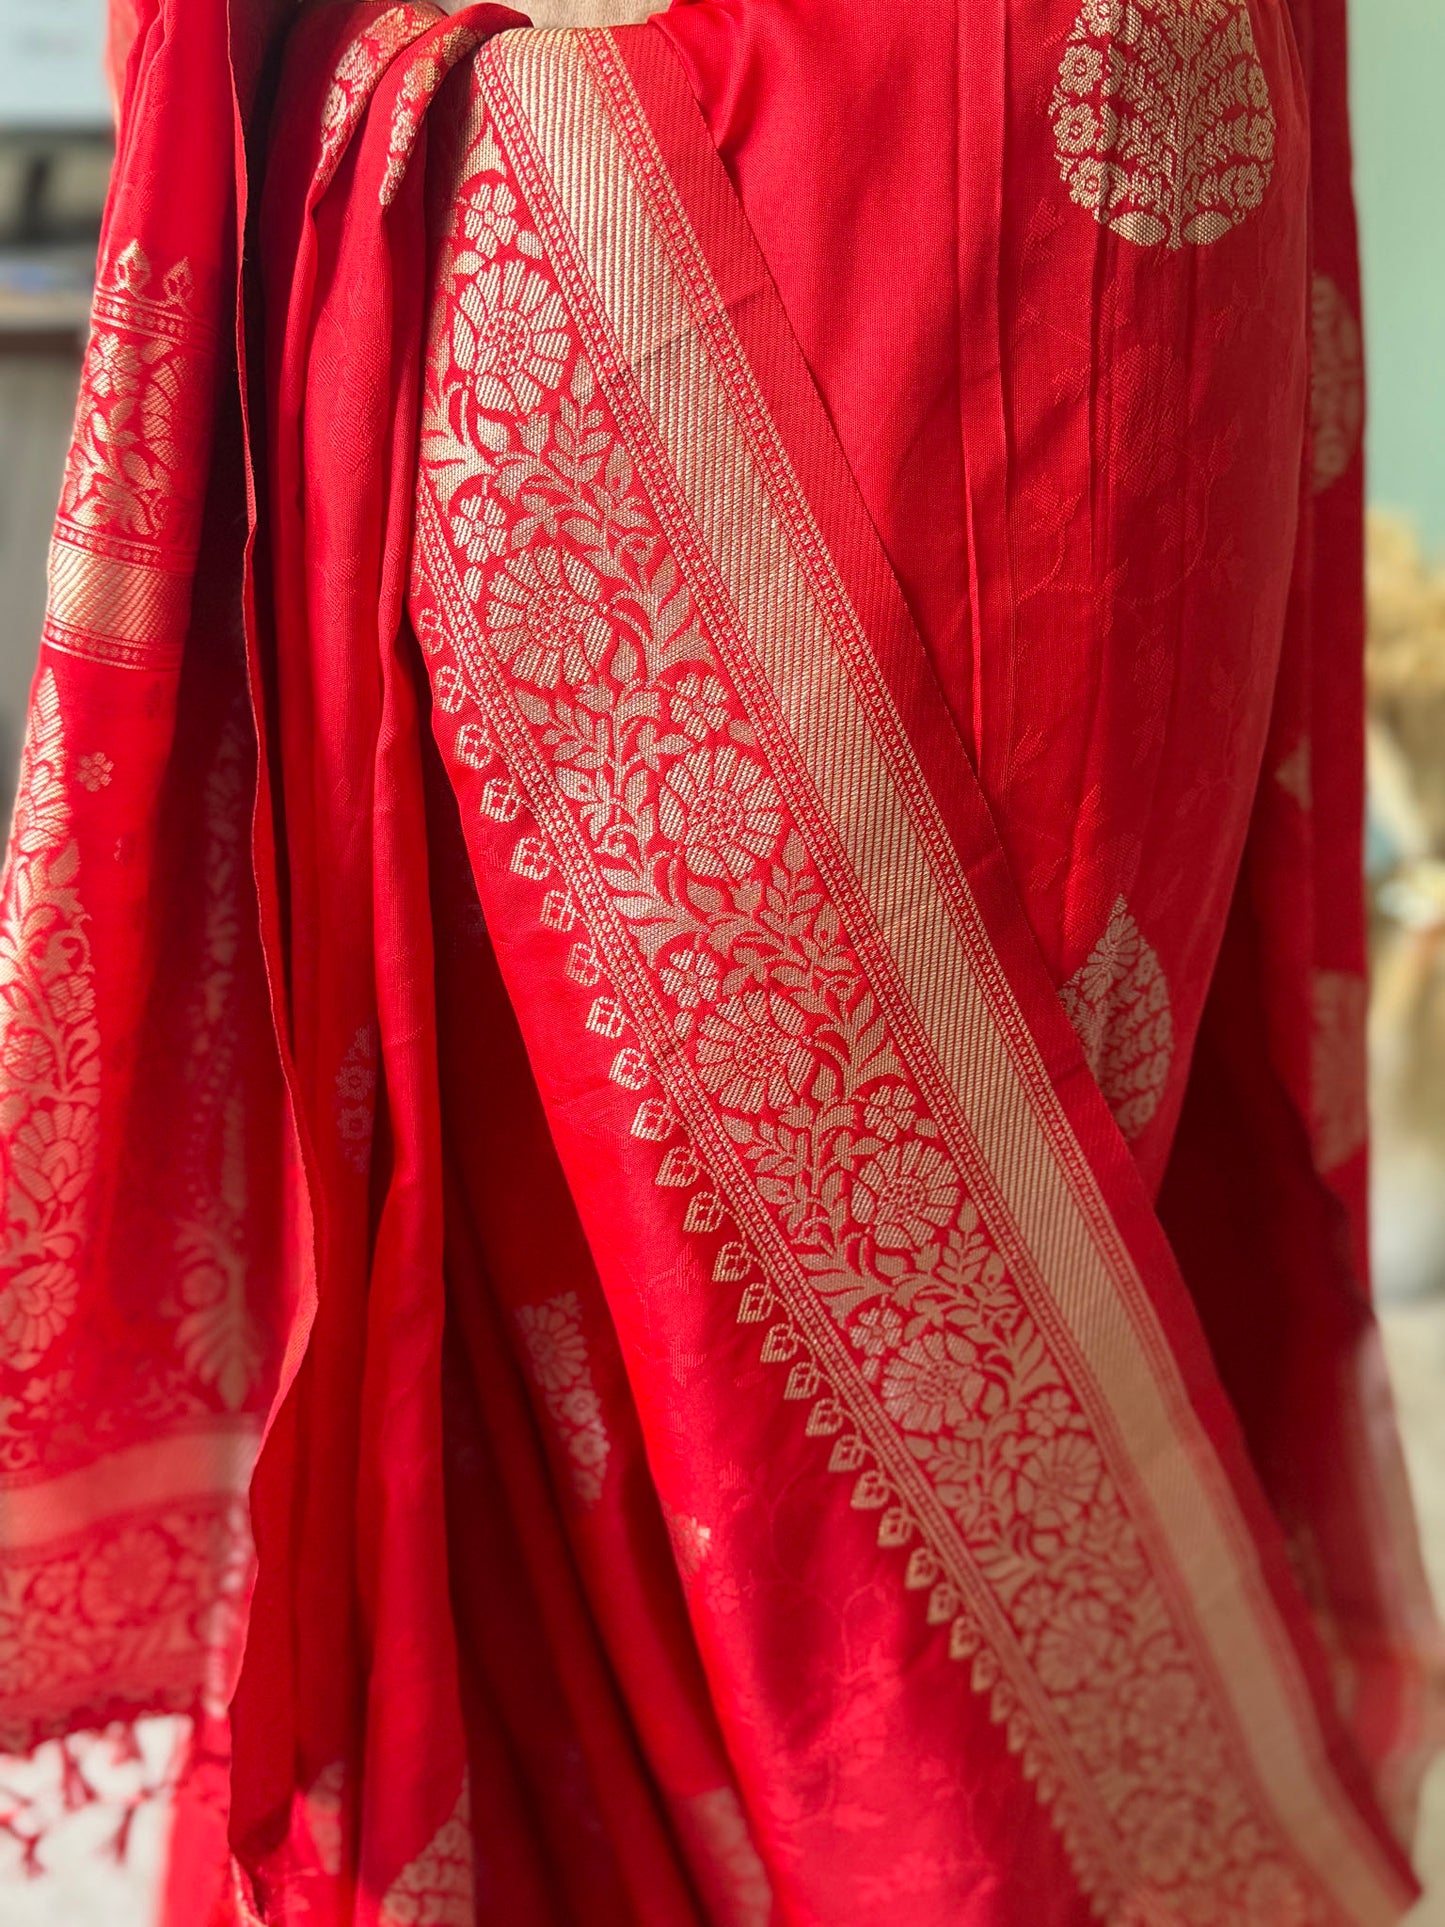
555,1613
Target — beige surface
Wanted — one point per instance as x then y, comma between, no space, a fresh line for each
1415,1344
587,13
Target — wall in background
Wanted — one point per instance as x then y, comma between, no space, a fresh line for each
1398,56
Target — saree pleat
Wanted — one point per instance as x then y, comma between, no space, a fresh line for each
697,821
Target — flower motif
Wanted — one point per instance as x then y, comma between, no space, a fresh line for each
1247,188
1077,129
1259,142
1082,70
1057,1480
699,704
722,809
545,618
751,1050
27,1056
55,1585
72,997
1093,1721
480,527
905,1193
1075,1646
95,770
1164,1828
556,1348
509,333
691,1540
877,1330
121,1583
36,1304
355,1082
957,1468
1032,1606
691,976
50,1153
934,1381
581,1409
890,1110
490,218
1091,184
557,1356
1157,1706
110,365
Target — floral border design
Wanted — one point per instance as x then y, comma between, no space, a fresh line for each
128,526
50,1051
146,1603
547,594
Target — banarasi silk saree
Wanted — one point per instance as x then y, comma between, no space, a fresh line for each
681,1022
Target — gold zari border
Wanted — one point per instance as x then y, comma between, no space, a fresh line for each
657,340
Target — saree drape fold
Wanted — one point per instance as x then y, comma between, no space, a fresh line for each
684,922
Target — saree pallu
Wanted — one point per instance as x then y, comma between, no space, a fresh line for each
774,1054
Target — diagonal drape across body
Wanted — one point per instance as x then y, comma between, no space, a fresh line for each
758,1119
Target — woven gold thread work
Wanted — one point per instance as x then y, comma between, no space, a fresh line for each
50,1051
1163,127
128,526
570,654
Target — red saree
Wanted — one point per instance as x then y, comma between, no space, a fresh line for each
761,1117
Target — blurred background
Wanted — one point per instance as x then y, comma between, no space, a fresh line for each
54,158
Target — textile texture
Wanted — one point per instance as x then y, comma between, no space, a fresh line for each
682,1023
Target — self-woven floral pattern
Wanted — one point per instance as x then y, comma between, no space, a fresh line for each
1337,382
436,1890
356,1098
127,471
581,646
50,1045
1341,1113
557,1358
141,1592
128,526
1162,120
216,1331
364,59
1118,1002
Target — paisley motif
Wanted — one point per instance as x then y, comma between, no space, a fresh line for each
1163,128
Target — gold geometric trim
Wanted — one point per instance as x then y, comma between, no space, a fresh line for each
130,611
